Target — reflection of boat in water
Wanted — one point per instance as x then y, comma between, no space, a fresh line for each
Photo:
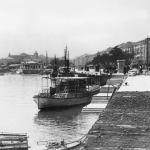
56,122
59,125
59,116
66,92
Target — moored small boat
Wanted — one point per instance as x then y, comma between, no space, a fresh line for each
62,145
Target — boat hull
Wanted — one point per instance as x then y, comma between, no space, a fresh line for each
33,71
48,102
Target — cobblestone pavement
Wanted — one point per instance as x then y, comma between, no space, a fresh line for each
123,125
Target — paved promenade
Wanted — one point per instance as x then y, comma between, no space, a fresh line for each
125,122
100,100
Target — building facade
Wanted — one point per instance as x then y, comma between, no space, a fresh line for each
127,47
140,50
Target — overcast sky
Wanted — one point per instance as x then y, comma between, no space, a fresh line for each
86,26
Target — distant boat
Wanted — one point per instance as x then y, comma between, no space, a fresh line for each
32,67
66,92
61,146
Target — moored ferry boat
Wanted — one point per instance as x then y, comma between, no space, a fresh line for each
66,92
32,67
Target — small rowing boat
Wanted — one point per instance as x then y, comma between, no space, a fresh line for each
62,145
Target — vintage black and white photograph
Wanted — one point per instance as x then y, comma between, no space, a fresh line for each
74,75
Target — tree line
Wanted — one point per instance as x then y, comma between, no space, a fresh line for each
108,61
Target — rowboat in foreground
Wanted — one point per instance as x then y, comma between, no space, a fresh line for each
13,141
62,145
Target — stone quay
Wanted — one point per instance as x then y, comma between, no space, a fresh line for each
125,122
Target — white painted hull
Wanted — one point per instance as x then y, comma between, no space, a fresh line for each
50,102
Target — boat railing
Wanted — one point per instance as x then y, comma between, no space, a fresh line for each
69,89
45,92
70,95
66,92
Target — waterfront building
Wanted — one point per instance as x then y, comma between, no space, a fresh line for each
8,60
142,51
127,47
23,57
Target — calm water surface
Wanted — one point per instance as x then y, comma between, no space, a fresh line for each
19,113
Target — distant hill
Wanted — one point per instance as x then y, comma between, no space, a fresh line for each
83,59
86,58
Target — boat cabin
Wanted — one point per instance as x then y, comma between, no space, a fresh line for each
64,85
30,65
71,84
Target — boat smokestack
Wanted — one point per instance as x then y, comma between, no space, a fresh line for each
65,56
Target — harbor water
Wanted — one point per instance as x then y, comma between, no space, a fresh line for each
19,113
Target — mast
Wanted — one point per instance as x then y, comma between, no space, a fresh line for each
55,69
65,56
68,60
46,58
55,61
147,53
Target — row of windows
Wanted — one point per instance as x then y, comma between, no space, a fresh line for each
138,49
